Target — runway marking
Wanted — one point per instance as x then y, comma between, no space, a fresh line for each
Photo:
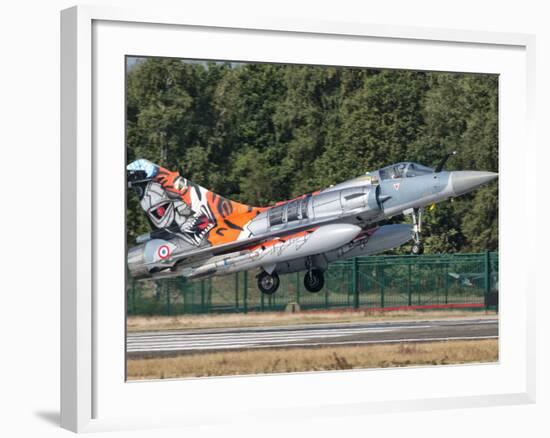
469,323
308,327
235,342
241,340
388,341
286,333
283,329
321,344
301,336
270,333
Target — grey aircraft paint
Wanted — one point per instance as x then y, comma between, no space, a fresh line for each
308,233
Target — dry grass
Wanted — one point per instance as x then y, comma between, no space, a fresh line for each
302,359
150,323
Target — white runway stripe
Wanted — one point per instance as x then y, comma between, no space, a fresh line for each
247,336
234,342
390,341
162,335
271,345
301,336
244,340
469,323
386,341
256,335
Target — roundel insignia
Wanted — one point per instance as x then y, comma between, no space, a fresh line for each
163,251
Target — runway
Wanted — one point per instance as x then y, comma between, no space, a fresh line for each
175,342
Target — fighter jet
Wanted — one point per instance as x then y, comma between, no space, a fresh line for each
198,234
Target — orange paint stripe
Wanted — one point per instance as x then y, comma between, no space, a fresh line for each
281,239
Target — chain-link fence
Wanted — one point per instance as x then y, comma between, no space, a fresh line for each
439,280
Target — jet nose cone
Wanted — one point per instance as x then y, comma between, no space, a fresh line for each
464,181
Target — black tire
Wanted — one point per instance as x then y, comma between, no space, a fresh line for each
268,283
314,280
417,249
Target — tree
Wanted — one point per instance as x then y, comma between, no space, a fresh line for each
461,114
262,133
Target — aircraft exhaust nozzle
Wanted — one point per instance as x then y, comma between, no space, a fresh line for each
149,258
464,181
136,262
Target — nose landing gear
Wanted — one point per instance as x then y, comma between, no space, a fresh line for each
417,247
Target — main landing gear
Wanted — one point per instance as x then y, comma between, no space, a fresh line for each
417,247
314,280
268,283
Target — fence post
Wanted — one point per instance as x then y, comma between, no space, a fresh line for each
446,273
209,298
237,290
298,287
181,290
167,291
355,283
202,296
262,301
487,278
382,285
245,294
409,288
367,283
134,296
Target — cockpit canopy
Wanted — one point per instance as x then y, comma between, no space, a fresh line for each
403,170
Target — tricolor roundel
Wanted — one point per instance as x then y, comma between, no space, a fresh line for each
163,252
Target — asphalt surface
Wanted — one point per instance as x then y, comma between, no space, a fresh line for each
176,342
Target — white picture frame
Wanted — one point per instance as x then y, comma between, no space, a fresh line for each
93,390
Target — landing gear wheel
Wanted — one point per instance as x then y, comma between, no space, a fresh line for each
417,248
268,283
314,280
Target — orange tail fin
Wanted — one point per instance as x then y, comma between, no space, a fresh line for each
178,205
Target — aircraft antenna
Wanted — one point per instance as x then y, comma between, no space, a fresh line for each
440,165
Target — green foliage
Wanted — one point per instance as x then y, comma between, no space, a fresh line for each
262,133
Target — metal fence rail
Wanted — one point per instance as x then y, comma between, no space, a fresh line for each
364,282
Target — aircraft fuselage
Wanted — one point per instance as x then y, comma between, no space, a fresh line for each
215,236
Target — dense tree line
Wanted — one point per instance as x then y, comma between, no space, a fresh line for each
260,133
